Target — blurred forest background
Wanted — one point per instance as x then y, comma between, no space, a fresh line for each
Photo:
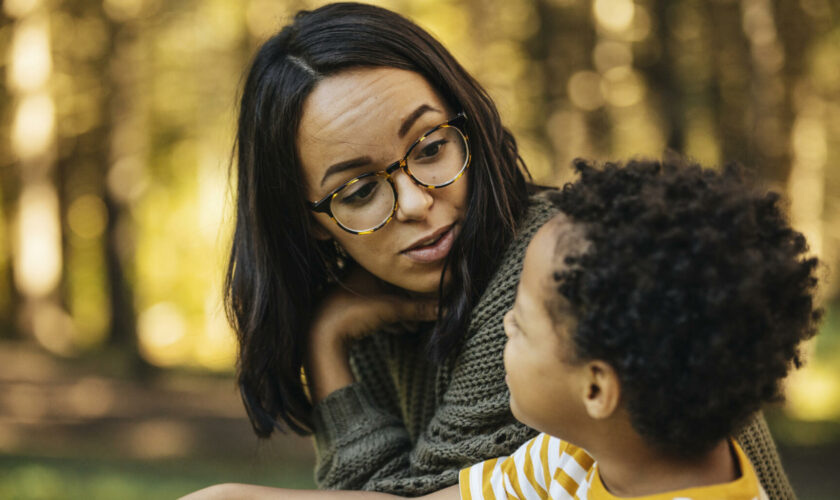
117,123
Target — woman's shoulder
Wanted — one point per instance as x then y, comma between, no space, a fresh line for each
501,290
540,210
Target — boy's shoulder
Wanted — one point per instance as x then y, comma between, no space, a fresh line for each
548,468
745,487
544,467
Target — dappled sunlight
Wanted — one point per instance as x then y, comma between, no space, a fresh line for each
87,216
30,56
216,348
637,132
623,87
614,15
127,179
585,90
611,54
813,393
34,124
123,10
162,332
38,253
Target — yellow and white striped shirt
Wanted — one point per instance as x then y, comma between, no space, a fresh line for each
547,468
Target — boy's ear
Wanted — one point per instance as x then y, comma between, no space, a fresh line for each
602,390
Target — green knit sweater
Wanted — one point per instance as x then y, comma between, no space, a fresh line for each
407,426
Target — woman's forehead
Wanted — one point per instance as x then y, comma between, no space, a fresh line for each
360,101
361,113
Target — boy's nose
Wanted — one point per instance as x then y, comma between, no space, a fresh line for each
414,201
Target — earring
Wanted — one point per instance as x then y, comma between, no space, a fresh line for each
342,256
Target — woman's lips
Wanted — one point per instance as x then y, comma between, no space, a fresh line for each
435,251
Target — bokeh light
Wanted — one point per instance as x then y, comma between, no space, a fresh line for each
38,254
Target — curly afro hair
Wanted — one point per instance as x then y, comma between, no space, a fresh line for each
694,288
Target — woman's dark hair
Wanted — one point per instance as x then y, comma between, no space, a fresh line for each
696,290
277,271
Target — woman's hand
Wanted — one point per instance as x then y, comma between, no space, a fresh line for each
360,305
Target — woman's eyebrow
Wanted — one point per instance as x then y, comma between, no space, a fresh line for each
362,161
409,120
346,165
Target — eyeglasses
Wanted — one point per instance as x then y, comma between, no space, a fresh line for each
368,202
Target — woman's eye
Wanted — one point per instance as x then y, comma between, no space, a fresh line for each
361,194
431,150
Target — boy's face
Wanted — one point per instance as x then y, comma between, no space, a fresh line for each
544,381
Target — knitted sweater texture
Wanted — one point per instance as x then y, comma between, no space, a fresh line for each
407,426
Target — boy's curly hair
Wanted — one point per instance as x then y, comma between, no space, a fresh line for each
695,289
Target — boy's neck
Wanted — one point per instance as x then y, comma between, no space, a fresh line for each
628,468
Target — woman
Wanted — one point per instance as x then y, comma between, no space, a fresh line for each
382,215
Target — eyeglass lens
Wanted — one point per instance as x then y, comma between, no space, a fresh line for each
369,201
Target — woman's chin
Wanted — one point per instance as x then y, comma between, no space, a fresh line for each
426,284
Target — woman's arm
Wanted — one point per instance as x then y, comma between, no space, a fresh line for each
234,491
359,306
359,431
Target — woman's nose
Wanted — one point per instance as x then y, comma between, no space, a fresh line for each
414,201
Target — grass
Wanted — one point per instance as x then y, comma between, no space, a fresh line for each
46,478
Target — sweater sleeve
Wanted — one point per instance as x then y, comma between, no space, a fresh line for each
355,439
361,438
359,430
758,444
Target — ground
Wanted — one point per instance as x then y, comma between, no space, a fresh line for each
83,430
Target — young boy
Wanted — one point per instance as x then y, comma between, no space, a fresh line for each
654,315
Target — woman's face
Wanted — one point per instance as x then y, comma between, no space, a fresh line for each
360,121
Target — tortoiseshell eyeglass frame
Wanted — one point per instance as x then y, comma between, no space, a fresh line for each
458,122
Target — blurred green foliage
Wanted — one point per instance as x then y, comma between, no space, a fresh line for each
23,478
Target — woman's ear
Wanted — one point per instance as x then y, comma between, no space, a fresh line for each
602,390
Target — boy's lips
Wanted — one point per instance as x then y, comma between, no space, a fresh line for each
433,247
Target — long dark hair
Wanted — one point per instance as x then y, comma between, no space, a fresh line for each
277,271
